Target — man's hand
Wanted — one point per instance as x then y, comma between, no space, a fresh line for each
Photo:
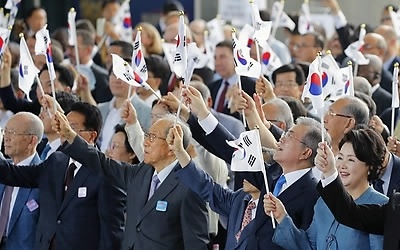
175,142
5,71
60,124
128,113
325,160
173,103
274,205
196,102
264,89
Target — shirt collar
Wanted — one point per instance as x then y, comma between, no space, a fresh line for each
388,171
163,174
26,161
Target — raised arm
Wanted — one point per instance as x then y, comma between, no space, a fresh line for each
133,129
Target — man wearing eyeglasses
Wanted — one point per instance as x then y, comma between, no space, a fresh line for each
19,211
79,208
161,212
343,115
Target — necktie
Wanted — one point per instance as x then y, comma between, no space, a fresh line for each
172,82
154,185
246,218
378,185
46,149
279,184
69,176
221,101
5,210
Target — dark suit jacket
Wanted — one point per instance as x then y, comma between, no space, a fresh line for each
83,219
182,226
248,86
233,125
395,60
15,105
394,184
299,198
386,117
101,92
374,219
382,99
23,221
386,80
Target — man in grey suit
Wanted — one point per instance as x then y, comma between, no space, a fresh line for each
162,213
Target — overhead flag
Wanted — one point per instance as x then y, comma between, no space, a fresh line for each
344,84
71,27
269,61
329,72
215,31
180,59
280,18
169,52
123,23
27,69
13,6
138,62
42,47
4,36
196,59
395,16
122,70
353,50
304,24
248,154
262,29
395,86
244,64
313,87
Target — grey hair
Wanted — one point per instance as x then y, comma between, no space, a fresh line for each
285,113
34,125
86,36
187,134
357,109
202,88
313,135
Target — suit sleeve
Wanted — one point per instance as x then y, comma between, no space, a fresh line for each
288,236
19,176
136,139
15,105
369,218
121,173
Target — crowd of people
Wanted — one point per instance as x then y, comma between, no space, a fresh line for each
94,168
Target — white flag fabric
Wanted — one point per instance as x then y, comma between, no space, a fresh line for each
353,50
215,31
248,155
244,64
395,16
27,69
4,36
262,29
122,70
42,47
13,6
180,59
138,62
329,71
71,28
304,24
196,59
269,61
313,87
169,52
280,18
122,22
395,86
344,85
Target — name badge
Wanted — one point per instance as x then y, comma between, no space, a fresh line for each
32,205
82,192
162,206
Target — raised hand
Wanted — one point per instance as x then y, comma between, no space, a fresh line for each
173,103
325,160
264,89
175,142
61,125
196,102
274,205
128,113
393,145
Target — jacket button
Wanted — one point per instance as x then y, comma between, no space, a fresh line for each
59,222
138,229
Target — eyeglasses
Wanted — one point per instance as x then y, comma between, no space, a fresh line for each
10,132
79,130
330,113
152,137
290,84
289,134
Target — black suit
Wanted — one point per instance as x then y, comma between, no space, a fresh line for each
101,92
90,216
15,105
374,219
386,80
386,117
182,224
395,60
382,99
248,86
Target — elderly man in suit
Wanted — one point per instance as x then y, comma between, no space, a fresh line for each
162,213
19,215
374,219
79,208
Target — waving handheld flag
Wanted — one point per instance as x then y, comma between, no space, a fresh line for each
180,60
27,69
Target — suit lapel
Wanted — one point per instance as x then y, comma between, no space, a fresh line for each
162,191
77,182
395,176
238,224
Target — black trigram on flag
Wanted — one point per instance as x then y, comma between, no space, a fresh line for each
178,57
247,141
252,159
136,46
233,43
250,65
26,69
128,77
143,69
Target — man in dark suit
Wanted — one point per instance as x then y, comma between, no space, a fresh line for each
294,152
372,72
162,213
22,134
374,219
97,76
79,208
225,67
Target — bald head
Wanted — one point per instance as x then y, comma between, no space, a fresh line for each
375,44
389,34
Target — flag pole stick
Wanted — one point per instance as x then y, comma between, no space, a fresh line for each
178,112
243,114
321,108
39,85
130,91
394,85
76,45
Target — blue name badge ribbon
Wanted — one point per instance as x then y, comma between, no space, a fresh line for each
162,206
